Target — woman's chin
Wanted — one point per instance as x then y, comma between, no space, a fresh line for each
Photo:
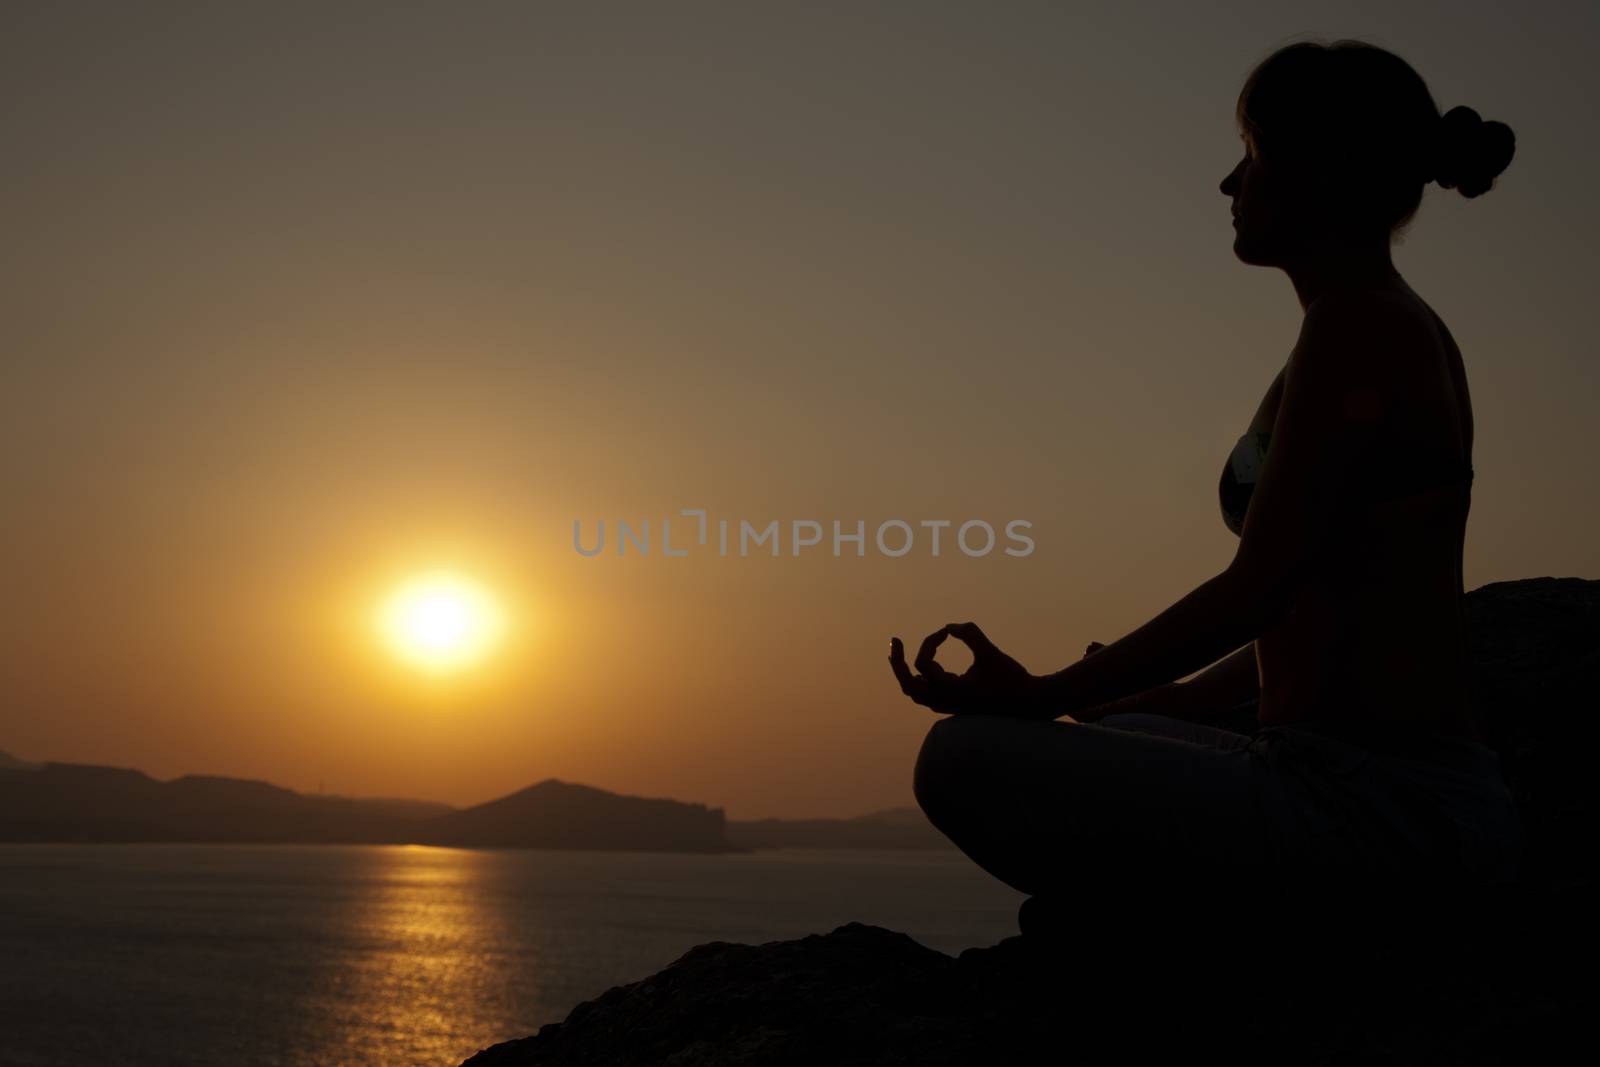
1246,252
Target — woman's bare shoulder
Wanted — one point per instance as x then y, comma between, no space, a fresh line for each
1382,302
1373,323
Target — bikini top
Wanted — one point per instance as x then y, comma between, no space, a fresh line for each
1389,473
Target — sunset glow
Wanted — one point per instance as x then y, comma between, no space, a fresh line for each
440,622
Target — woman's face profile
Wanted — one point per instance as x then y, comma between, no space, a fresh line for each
1268,223
1253,208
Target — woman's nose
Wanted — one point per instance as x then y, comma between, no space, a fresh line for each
1230,184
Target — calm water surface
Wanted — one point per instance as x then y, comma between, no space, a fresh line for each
243,954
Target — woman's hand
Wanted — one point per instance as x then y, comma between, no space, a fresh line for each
995,684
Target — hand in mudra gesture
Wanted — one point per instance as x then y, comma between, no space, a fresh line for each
995,684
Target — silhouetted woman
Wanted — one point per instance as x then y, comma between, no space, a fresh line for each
1341,611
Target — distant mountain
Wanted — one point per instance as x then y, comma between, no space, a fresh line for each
88,803
894,817
82,802
8,762
557,814
401,807
891,828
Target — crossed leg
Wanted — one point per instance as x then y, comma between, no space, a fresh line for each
1073,809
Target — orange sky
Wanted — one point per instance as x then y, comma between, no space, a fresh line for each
297,304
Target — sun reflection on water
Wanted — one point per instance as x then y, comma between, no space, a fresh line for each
426,954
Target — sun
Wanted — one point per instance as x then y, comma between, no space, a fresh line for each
440,621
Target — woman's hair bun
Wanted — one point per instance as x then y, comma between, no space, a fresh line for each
1469,153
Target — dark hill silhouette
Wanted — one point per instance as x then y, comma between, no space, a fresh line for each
406,808
86,803
80,802
557,814
8,762
891,828
894,817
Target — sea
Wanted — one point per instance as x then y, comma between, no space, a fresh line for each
376,955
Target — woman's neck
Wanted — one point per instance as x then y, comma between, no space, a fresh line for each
1345,265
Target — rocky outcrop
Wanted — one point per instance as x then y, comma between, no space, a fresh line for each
1484,978
1137,986
1534,647
853,996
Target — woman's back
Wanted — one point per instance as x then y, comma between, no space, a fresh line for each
1375,639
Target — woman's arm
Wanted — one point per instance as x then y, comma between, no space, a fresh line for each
1227,683
1339,383
1216,617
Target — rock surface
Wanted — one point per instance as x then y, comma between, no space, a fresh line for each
1486,978
1140,988
1534,646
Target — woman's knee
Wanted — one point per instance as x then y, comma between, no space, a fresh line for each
949,764
932,767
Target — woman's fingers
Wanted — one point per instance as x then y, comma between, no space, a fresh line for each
930,692
925,661
912,686
897,663
969,634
